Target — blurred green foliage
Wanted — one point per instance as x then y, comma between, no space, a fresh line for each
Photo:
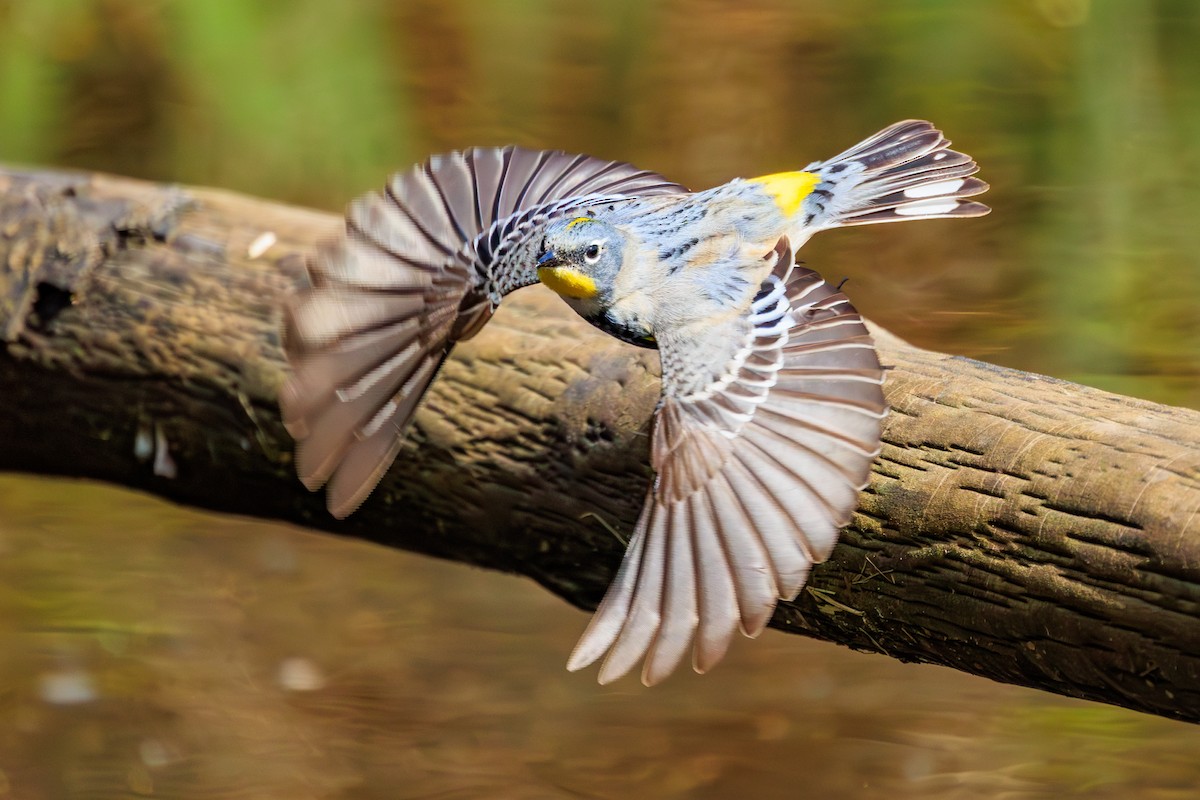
1085,115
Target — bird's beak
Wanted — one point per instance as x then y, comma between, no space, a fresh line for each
548,259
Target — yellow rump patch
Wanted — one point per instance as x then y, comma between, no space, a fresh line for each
568,282
789,188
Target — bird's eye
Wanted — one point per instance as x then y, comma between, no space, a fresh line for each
592,254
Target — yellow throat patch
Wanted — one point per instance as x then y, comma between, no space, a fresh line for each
568,282
789,188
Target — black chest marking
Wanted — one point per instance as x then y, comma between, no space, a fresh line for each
626,333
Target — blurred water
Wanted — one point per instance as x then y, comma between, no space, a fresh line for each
149,650
152,650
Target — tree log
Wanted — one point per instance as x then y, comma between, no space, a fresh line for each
1018,527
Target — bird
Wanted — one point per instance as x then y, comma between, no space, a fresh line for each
772,405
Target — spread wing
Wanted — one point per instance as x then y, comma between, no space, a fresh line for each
758,467
420,266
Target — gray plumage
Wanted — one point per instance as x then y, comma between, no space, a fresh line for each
772,400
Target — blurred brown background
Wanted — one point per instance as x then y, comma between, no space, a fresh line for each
147,650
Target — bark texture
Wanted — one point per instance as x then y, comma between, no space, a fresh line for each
1018,527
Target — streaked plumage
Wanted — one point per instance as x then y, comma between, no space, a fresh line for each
772,401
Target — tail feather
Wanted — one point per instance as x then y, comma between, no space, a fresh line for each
939,160
911,135
905,171
921,200
926,183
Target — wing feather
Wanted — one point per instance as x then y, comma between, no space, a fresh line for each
455,187
337,426
745,557
420,266
641,625
716,595
768,519
347,365
606,623
358,260
366,460
387,225
679,613
758,467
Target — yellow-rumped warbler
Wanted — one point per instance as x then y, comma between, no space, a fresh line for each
771,389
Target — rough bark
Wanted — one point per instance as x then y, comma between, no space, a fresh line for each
1018,527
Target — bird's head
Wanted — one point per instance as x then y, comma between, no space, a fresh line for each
581,258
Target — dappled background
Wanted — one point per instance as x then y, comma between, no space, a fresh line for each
149,650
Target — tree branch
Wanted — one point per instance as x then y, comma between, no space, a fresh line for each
1018,527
